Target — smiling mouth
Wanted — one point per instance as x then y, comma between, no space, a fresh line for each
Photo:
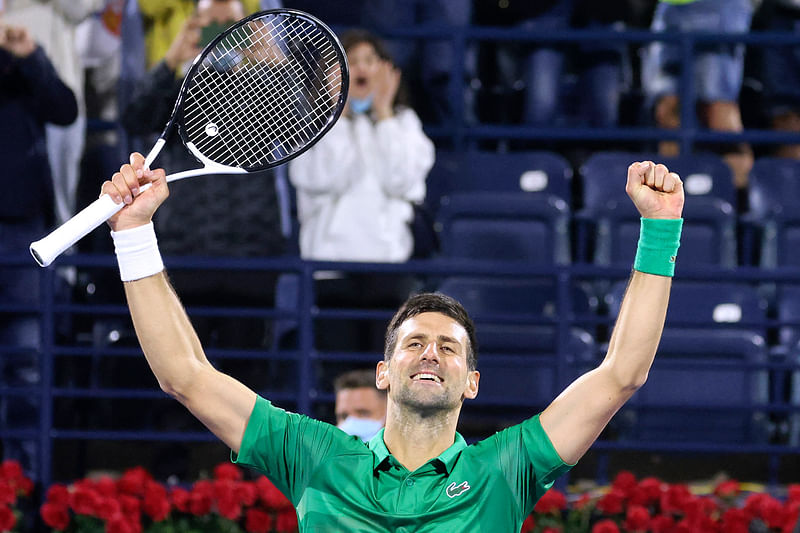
427,377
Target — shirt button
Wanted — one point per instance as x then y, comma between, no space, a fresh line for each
410,482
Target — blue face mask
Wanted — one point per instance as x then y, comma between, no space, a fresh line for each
361,105
363,428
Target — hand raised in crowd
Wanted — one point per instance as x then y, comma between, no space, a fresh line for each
656,192
387,81
17,41
186,44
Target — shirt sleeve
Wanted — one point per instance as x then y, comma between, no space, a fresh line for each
287,447
529,461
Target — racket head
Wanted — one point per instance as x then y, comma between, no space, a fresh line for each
263,91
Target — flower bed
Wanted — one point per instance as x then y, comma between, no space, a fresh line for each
227,503
650,505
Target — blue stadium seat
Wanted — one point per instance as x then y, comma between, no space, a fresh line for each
518,336
786,382
531,171
609,223
703,378
774,198
505,227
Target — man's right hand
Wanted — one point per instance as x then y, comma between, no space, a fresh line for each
124,187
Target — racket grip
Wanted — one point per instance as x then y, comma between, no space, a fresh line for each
45,250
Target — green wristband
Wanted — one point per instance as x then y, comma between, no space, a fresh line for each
659,240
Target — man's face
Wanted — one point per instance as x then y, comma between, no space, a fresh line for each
363,402
428,370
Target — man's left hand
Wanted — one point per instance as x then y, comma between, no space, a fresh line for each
656,192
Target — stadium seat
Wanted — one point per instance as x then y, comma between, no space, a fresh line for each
518,336
505,227
609,222
774,198
703,379
472,171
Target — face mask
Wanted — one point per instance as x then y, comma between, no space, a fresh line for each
361,105
363,428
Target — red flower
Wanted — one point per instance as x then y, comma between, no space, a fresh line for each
8,496
662,524
582,502
228,504
133,481
605,526
58,494
201,498
55,515
106,486
287,522
793,493
246,492
180,499
551,502
155,503
624,482
12,471
271,496
130,505
727,490
227,471
637,518
84,500
122,524
7,518
611,502
675,499
257,521
647,492
528,525
735,521
108,507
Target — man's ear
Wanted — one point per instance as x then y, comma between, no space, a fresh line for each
473,378
381,377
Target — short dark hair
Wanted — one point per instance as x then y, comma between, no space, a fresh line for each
432,302
356,379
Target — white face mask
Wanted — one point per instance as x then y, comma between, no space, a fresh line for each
363,428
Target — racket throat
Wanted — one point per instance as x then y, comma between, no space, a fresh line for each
209,166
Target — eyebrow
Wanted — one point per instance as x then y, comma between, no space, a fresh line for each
440,338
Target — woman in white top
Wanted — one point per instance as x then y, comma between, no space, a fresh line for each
355,187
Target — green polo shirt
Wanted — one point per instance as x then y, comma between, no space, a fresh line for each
339,484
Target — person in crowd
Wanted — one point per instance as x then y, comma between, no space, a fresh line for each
717,73
356,190
780,72
360,406
31,96
53,24
418,469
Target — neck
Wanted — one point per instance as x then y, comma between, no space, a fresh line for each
415,437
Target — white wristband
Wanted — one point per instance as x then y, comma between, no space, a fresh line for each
137,252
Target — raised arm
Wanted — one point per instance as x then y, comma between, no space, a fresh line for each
578,415
165,333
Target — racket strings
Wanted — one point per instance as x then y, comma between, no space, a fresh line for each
265,91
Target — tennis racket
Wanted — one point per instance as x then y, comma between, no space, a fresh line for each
261,93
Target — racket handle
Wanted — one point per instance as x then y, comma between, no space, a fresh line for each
45,250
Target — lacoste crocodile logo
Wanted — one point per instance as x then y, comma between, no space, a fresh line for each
454,490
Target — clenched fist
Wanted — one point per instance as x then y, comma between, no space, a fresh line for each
656,192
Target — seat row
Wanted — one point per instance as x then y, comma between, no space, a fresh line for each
528,206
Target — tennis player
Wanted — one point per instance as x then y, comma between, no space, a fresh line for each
417,474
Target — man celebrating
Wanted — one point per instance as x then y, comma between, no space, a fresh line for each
417,474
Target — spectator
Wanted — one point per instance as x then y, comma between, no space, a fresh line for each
717,73
780,72
31,96
52,24
360,405
357,187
